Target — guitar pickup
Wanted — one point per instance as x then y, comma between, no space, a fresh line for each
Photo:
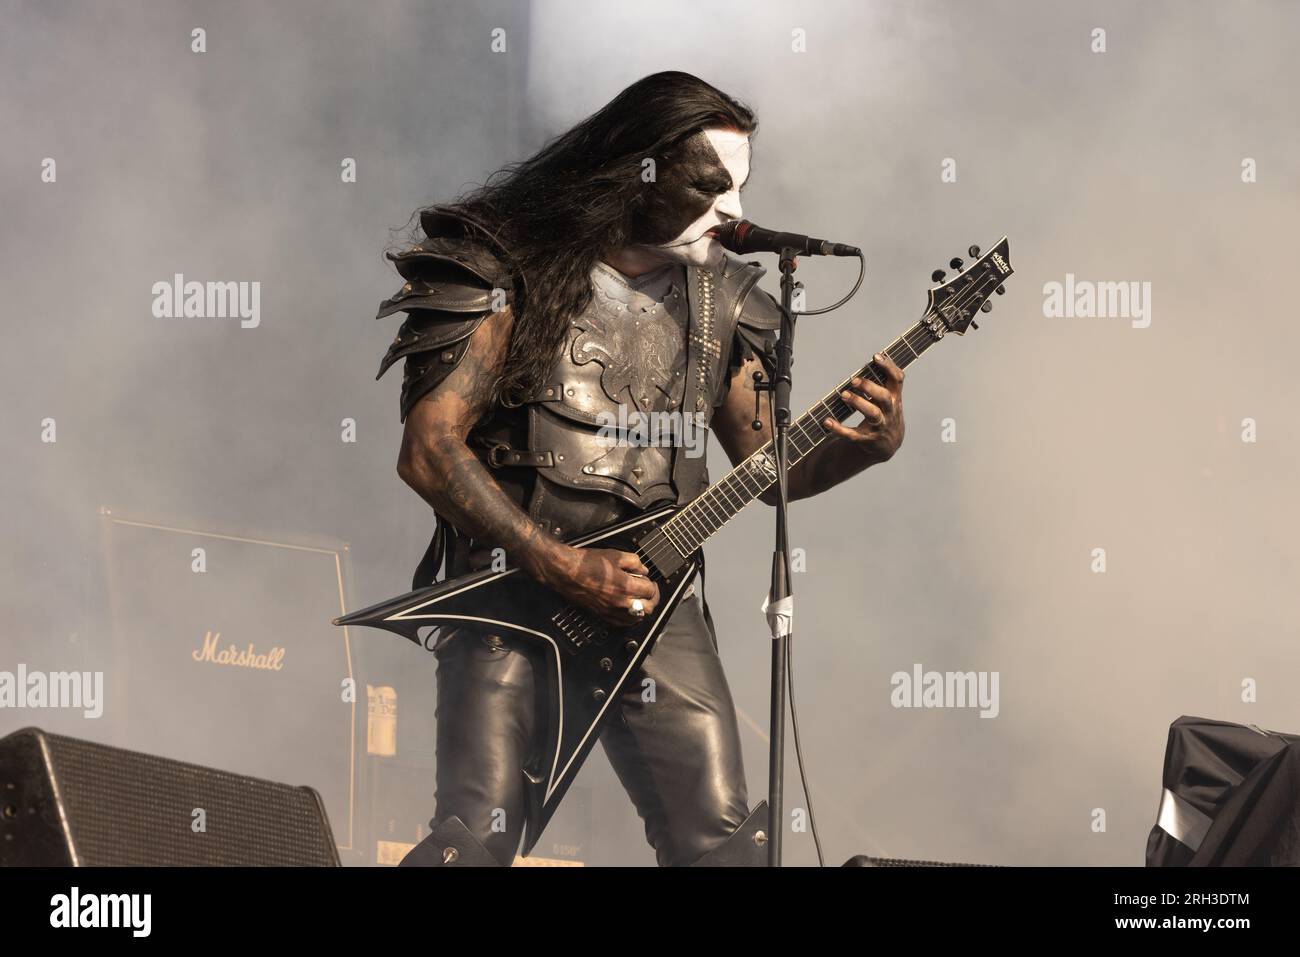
578,629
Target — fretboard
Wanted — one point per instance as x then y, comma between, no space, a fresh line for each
706,513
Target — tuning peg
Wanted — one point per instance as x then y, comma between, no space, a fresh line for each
974,324
974,252
1002,290
954,263
937,275
987,307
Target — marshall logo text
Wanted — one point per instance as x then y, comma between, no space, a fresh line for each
272,660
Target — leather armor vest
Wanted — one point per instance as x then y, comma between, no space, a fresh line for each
620,422
624,370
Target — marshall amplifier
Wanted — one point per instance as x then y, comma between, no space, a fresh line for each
219,650
67,802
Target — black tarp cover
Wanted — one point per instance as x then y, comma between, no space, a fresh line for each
1231,797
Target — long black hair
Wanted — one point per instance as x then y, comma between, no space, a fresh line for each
553,215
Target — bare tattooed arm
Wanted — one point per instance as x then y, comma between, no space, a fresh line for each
846,453
436,462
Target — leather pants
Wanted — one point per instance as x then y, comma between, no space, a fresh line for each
678,757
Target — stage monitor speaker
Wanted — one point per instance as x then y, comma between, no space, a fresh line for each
68,802
862,860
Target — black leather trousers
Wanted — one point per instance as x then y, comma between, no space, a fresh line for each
677,756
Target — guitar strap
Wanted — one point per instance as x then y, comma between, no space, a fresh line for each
430,567
703,347
704,603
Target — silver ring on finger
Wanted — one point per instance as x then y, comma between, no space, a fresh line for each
637,608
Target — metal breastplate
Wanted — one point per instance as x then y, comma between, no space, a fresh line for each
610,413
549,454
567,439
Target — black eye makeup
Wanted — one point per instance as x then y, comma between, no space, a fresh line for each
713,185
693,176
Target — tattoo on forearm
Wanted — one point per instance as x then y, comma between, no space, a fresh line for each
461,489
445,472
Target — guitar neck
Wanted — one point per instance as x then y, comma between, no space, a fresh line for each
697,521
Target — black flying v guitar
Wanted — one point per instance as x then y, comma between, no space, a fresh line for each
589,662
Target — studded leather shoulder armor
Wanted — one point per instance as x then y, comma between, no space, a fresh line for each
452,281
756,330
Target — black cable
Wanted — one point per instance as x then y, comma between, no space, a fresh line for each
862,272
798,747
794,711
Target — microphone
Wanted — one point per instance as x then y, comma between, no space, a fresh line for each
741,236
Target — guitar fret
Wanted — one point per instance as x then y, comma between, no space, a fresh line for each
718,504
711,507
744,492
721,504
733,504
705,510
698,525
690,530
735,500
702,521
666,528
724,505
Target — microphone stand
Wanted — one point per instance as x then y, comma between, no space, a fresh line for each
781,594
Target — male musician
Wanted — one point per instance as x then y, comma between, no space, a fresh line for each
580,280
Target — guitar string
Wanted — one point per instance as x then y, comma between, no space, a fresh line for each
738,480
664,544
662,541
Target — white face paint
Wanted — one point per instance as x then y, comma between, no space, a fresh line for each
692,246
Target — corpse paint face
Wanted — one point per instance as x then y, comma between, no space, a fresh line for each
698,188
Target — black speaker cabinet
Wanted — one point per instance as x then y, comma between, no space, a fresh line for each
862,860
68,802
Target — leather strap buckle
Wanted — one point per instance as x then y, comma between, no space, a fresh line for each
501,455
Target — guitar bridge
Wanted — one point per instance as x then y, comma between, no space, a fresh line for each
579,629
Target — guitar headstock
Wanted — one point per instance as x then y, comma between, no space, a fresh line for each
954,302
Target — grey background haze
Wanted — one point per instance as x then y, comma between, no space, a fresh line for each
1072,434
